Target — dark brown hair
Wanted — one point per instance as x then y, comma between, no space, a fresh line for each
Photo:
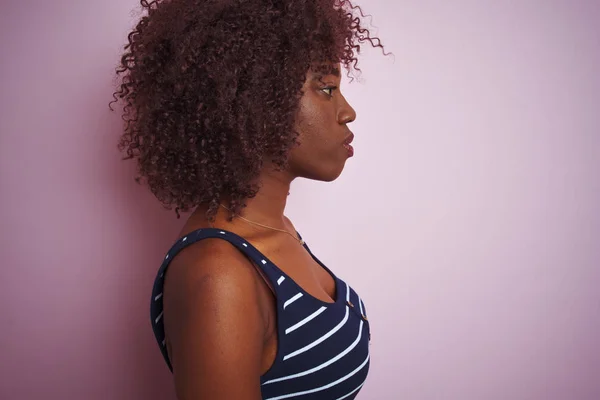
211,89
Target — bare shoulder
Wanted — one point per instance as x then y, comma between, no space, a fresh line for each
213,322
209,275
210,259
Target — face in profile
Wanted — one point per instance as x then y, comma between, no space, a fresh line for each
322,123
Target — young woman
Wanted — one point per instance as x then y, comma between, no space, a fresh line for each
226,103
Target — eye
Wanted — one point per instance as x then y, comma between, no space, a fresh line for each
329,90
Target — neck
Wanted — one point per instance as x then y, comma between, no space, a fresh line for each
268,206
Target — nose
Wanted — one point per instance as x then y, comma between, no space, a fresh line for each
346,113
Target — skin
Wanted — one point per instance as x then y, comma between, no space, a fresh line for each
219,310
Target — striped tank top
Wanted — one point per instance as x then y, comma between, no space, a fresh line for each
322,349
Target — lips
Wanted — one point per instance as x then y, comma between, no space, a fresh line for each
349,139
347,145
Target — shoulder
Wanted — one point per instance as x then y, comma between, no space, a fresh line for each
213,320
213,265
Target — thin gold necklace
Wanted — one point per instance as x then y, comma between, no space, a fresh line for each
265,226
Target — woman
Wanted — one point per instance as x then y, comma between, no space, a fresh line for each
226,103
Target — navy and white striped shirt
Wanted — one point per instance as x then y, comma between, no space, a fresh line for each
323,348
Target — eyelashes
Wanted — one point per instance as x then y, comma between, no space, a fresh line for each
331,90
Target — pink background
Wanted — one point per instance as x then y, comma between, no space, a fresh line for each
469,218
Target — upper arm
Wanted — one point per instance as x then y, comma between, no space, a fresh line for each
213,323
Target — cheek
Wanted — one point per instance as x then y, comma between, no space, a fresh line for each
314,113
316,124
313,126
313,144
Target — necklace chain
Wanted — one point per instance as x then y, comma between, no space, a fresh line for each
266,226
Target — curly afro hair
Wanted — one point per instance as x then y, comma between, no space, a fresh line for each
211,89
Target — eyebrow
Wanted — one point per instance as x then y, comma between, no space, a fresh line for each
320,75
323,70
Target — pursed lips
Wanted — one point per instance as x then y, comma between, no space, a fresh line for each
349,139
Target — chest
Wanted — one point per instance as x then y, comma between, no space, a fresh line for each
305,270
321,347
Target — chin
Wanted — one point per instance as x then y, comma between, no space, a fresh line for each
325,175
